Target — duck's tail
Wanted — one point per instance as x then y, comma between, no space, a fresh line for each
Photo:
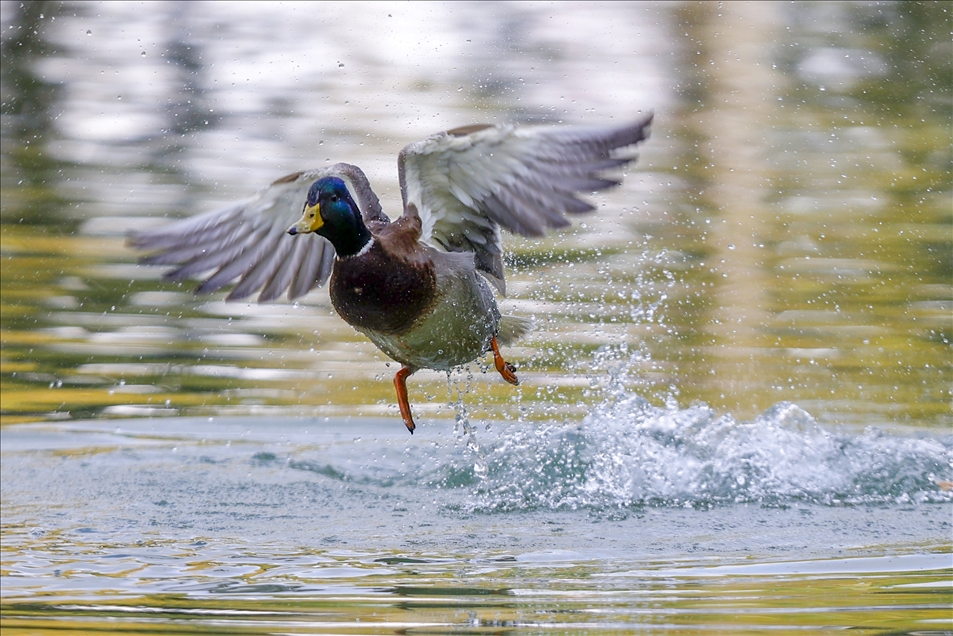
512,328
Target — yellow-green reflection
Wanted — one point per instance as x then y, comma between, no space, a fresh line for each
800,251
394,593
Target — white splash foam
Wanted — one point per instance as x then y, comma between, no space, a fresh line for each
630,453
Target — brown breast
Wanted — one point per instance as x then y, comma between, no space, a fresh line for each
382,291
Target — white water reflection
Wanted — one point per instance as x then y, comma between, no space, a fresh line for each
202,76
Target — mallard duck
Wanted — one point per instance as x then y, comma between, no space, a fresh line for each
419,287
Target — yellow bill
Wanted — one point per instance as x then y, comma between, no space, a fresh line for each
311,220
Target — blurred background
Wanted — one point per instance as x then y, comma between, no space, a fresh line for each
785,236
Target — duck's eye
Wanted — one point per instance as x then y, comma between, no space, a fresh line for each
335,198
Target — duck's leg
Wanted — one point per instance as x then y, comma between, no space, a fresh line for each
400,383
507,370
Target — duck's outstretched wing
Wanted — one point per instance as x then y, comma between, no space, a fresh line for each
248,241
467,183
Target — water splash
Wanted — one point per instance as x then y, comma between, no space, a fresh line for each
628,453
463,428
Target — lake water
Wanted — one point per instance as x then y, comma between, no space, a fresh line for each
735,413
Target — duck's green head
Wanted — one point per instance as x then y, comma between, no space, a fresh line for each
331,212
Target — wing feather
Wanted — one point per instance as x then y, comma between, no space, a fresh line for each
247,242
306,275
185,233
280,280
243,260
215,256
257,267
468,183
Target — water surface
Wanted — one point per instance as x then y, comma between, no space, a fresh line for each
637,517
735,410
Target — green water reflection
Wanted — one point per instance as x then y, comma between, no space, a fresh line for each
340,594
786,237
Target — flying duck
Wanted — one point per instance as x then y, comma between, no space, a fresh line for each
419,287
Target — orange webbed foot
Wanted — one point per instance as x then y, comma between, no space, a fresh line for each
400,383
507,370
